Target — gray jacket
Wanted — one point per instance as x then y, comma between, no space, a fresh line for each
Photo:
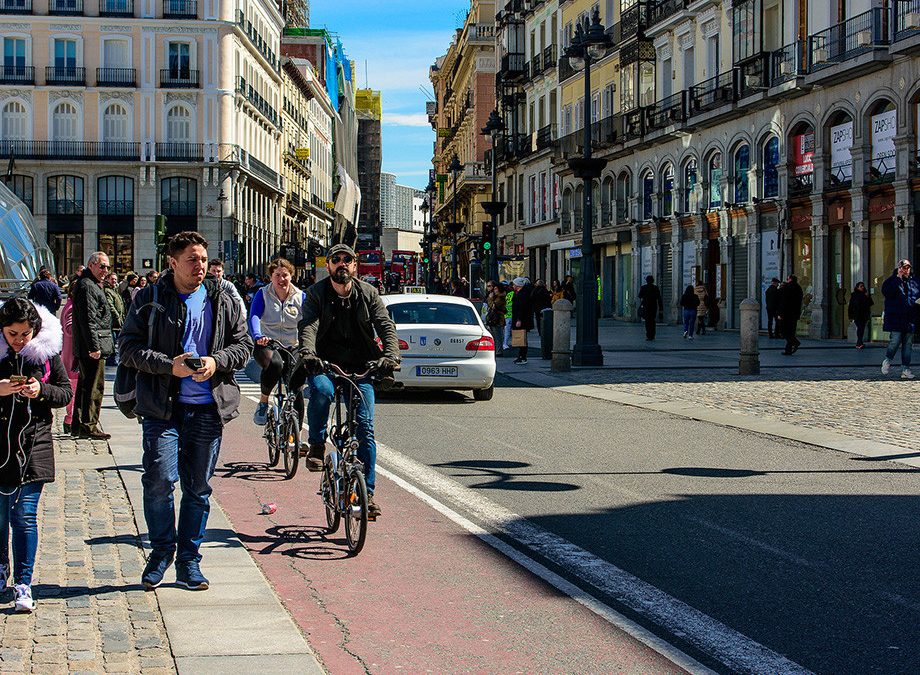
92,318
157,387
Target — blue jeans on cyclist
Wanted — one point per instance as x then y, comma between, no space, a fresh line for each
322,391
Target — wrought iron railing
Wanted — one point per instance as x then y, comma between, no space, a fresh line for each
882,168
250,94
663,9
65,7
263,171
906,19
549,57
666,112
565,69
841,174
15,6
546,136
635,20
849,39
801,185
633,124
115,207
17,74
116,77
788,63
754,75
65,207
116,8
179,78
180,9
67,75
714,93
180,208
180,152
513,64
75,150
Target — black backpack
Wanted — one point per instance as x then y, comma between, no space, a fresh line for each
125,389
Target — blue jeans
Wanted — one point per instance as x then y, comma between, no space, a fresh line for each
689,322
905,341
321,393
184,448
20,510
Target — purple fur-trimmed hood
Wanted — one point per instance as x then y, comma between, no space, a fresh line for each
42,347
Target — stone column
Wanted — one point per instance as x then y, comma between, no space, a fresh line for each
677,266
903,222
819,267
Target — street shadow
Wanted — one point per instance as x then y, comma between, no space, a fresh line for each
502,476
255,471
45,590
422,397
825,580
131,539
136,468
308,542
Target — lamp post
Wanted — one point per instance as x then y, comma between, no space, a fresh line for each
589,44
221,198
455,168
493,127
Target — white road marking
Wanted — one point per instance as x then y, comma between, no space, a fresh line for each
710,636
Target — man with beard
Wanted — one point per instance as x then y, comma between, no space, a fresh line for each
340,317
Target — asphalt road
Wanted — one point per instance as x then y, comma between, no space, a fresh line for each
809,553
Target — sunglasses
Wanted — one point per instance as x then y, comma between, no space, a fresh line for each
103,267
347,259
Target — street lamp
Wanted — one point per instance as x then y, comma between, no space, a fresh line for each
493,127
455,168
221,198
589,44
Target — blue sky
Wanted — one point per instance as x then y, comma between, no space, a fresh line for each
399,39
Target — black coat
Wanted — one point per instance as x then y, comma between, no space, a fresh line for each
650,297
25,424
157,387
860,308
46,293
92,318
790,301
540,298
771,297
522,309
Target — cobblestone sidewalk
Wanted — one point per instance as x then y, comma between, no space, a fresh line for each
92,614
860,403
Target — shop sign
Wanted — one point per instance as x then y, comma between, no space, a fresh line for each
645,261
689,262
302,153
841,160
884,129
769,268
574,252
443,132
803,149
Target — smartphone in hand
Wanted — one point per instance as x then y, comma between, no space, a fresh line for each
18,379
194,362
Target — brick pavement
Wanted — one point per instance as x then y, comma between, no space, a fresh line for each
92,614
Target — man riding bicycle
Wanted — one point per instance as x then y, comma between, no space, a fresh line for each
275,314
340,317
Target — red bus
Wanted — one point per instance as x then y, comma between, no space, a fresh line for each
405,263
370,263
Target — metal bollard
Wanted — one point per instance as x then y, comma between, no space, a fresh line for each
749,357
562,336
546,334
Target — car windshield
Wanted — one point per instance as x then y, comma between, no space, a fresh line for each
433,312
370,258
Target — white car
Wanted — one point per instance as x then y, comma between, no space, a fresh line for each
443,344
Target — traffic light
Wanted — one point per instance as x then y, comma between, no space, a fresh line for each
159,233
487,236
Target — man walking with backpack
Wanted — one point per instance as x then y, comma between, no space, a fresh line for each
184,399
901,291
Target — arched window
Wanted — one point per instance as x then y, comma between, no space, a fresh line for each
691,178
648,188
770,172
115,196
715,180
883,123
179,196
667,190
840,129
179,125
65,195
64,121
115,124
742,166
623,194
15,122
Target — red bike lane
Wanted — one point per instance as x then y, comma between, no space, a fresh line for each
424,594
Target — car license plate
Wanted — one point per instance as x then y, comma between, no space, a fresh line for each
436,371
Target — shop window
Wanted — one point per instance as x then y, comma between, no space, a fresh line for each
648,187
715,180
667,190
690,181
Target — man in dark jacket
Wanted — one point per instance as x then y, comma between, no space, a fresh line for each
340,317
522,313
901,291
45,291
651,306
540,299
184,399
789,311
771,300
92,343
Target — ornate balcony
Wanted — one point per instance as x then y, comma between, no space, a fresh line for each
116,77
65,75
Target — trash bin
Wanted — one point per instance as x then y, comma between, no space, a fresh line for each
546,337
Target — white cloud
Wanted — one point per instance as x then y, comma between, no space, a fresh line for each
406,119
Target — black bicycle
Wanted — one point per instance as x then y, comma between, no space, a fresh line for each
343,486
282,426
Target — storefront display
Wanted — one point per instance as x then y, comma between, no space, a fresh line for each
802,267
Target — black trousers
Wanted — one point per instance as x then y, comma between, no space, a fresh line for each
789,334
272,364
88,397
773,327
650,327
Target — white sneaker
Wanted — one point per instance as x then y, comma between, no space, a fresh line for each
906,374
24,603
886,366
690,338
685,335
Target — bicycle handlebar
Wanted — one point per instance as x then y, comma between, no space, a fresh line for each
336,370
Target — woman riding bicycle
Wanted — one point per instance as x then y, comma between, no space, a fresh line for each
274,315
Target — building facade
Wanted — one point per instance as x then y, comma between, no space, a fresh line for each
116,112
463,81
744,140
370,156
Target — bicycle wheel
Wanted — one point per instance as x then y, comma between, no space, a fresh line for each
327,490
356,511
271,436
290,438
